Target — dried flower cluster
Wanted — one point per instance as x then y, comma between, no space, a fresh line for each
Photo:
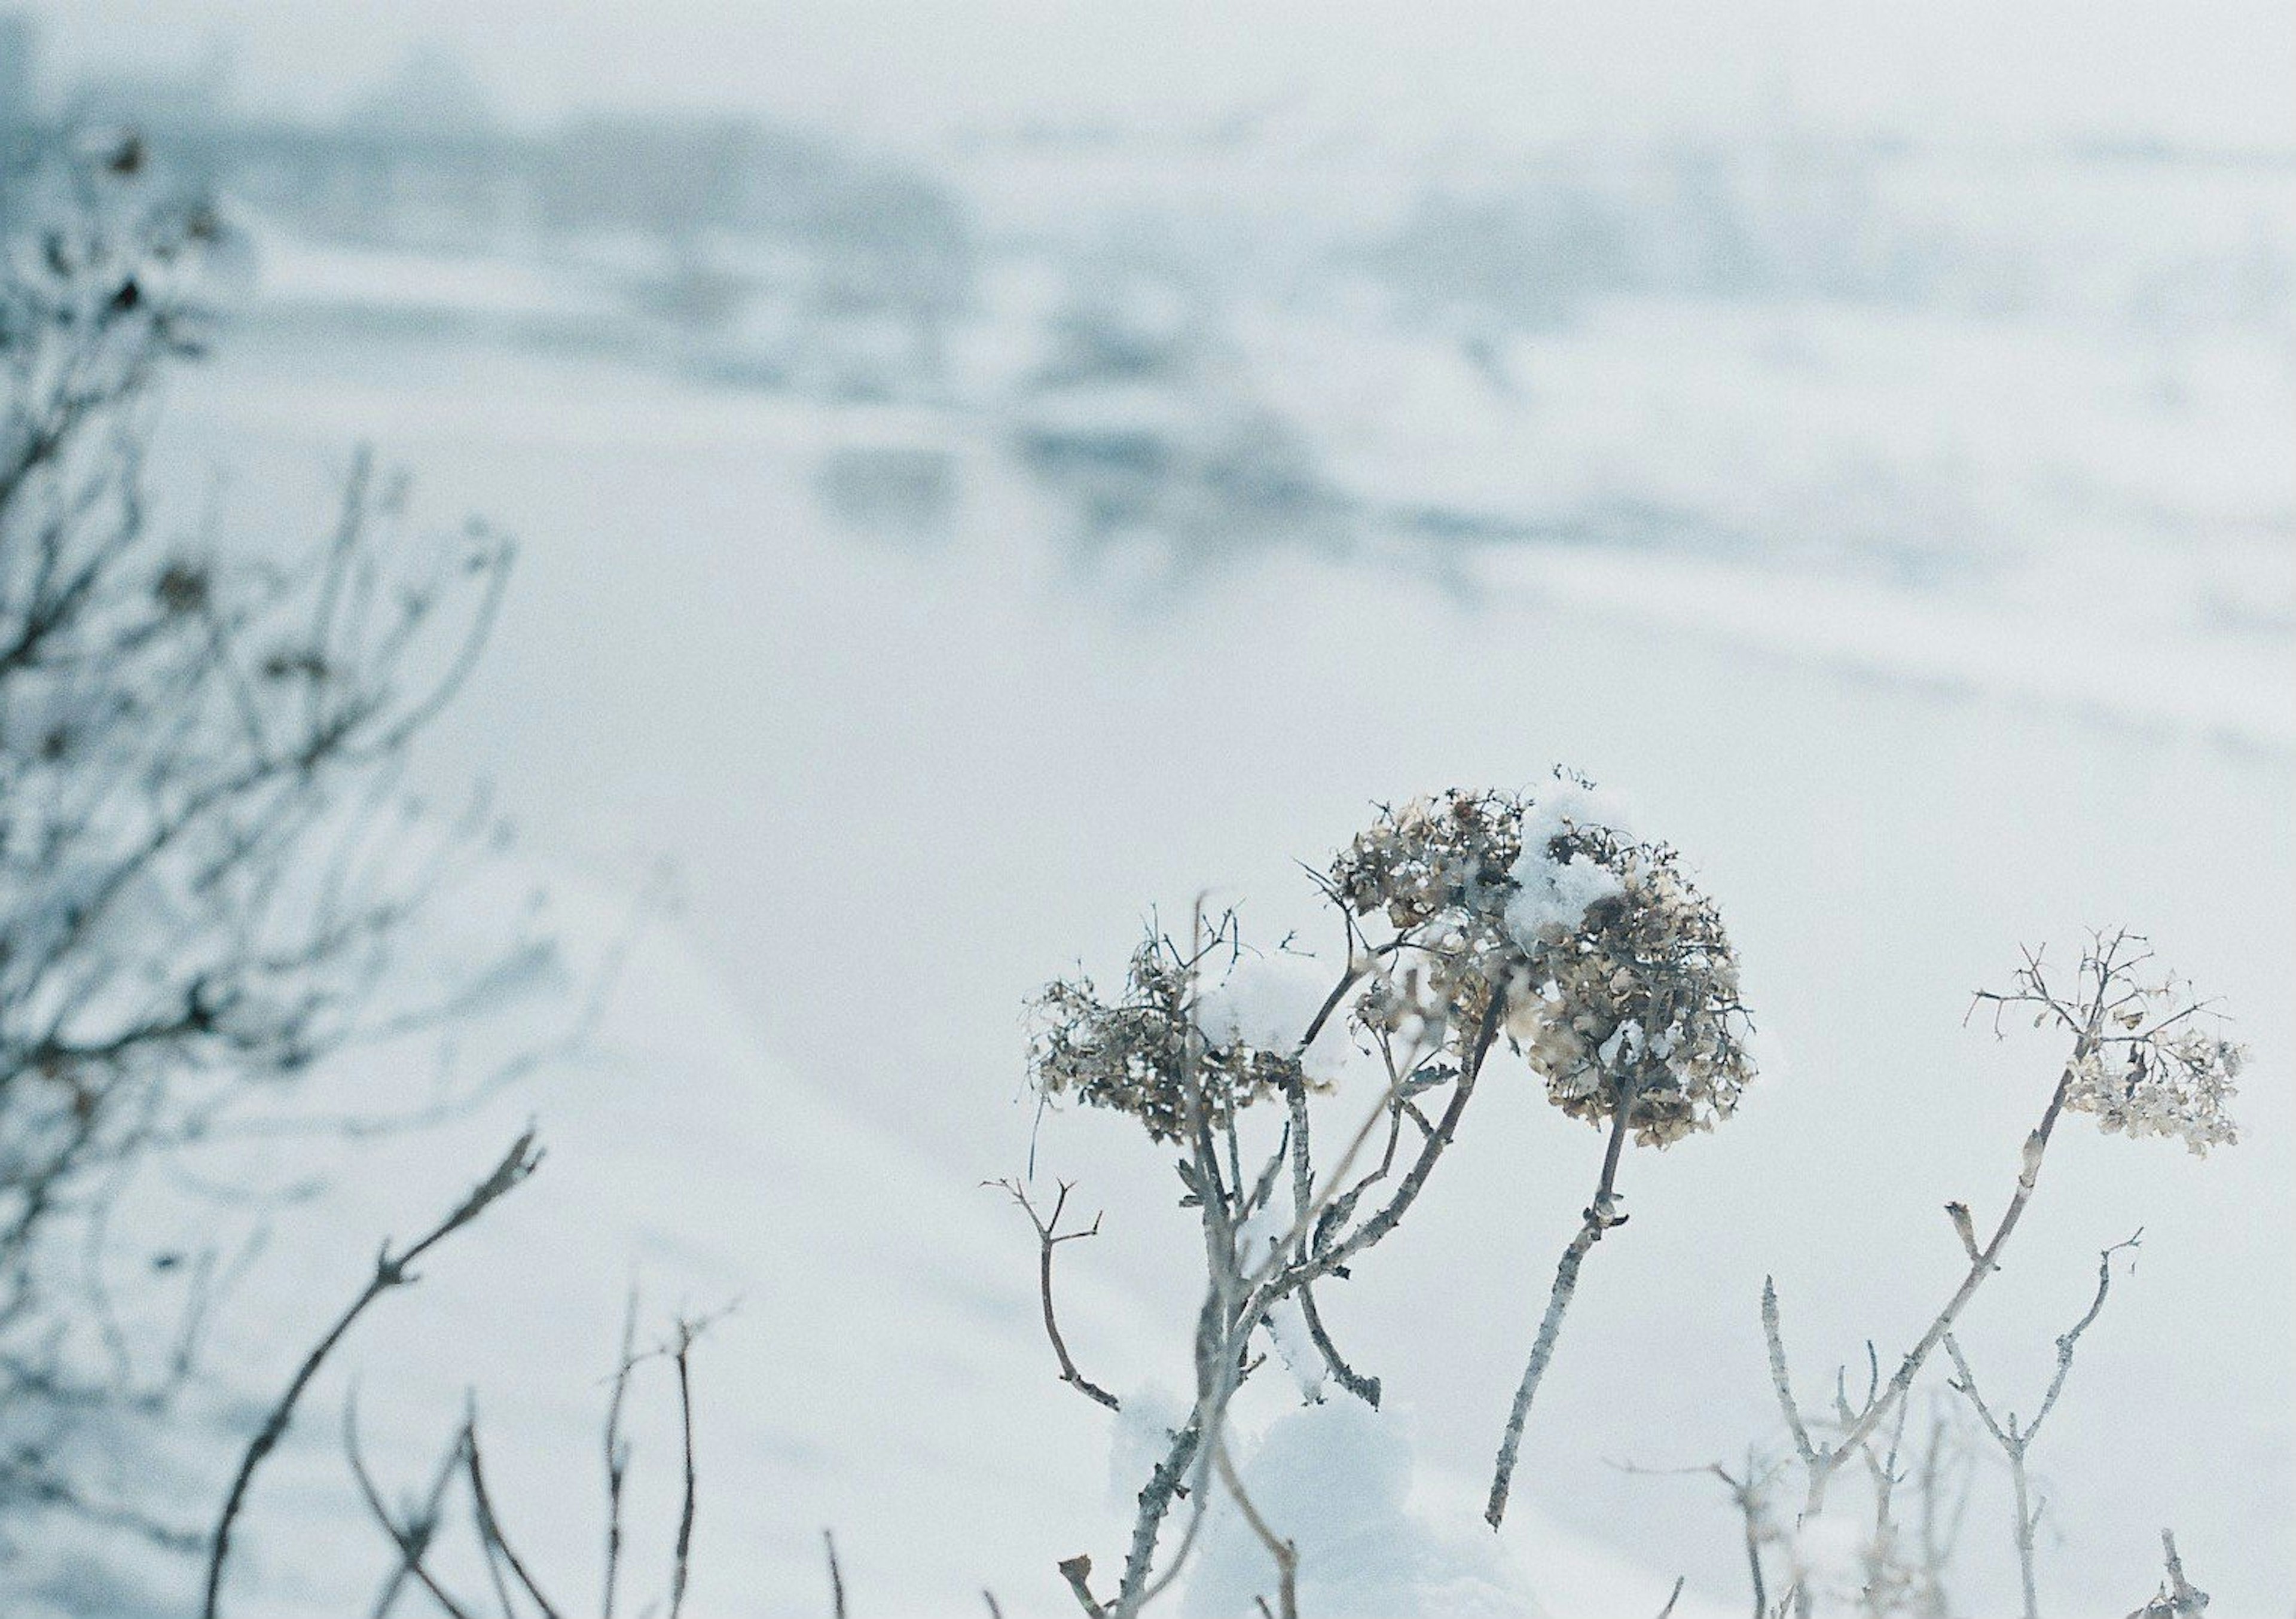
2154,1082
1450,853
1620,980
2143,1064
1640,1000
1143,1054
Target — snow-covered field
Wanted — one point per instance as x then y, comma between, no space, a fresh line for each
907,773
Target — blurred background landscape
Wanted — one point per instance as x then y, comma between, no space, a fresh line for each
988,469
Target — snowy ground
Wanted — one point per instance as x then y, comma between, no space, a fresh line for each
909,772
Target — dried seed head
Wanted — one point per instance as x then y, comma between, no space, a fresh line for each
1143,1054
2160,1084
1639,1000
2146,1060
1620,980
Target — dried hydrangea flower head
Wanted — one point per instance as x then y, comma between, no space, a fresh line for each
1450,853
2143,1063
2143,1059
2176,1086
1144,1054
1632,986
1436,870
1621,982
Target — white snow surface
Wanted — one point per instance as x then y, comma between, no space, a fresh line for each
910,784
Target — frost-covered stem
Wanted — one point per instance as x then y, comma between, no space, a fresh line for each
1238,1301
1415,1179
1364,1388
1600,1215
2026,1516
1156,1498
1217,1349
2016,1440
2071,1336
2179,1597
1781,1381
1986,1262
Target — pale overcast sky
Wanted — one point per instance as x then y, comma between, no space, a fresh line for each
2218,72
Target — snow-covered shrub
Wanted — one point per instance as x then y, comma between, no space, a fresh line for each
1478,921
1471,919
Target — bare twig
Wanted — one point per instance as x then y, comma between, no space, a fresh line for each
412,1537
1821,1462
682,1553
1750,1495
1282,1552
2016,1439
618,1455
488,1524
837,1578
390,1270
1049,1236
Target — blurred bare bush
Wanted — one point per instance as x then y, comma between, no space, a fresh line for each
209,863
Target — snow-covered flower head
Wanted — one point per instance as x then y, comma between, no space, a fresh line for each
1150,1052
1621,981
1631,990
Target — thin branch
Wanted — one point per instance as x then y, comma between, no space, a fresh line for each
1049,1236
2016,1440
391,1271
618,1455
1285,1553
837,1578
682,1554
412,1537
489,1524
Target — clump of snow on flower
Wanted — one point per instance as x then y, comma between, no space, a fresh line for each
1256,1241
1267,1002
1336,1480
1553,895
